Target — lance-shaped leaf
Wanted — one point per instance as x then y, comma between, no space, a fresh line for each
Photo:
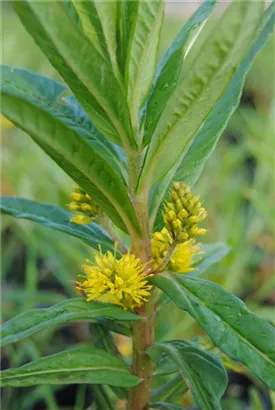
239,333
79,365
56,218
142,51
99,22
73,310
169,69
205,141
25,102
202,371
78,59
201,88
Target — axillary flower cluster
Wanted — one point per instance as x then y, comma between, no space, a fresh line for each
86,208
124,280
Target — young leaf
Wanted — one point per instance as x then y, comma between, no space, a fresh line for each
31,322
142,52
169,69
78,365
206,138
202,371
201,88
226,320
56,218
25,103
86,70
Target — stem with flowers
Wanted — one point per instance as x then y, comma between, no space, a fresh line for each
134,134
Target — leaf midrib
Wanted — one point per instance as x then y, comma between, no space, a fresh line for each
53,145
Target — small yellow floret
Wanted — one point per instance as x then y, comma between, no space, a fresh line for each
81,219
119,281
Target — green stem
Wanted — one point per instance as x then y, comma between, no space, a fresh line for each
144,330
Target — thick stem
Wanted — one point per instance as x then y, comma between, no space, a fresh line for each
142,365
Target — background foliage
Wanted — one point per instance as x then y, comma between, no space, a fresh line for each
237,187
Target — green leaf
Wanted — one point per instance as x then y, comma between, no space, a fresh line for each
202,371
239,333
167,391
98,22
145,26
79,60
213,253
169,69
56,218
161,405
72,310
78,365
30,101
206,139
195,97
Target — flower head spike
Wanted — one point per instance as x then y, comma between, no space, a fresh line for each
85,205
183,212
119,281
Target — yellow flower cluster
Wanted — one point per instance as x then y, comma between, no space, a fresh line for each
183,258
183,212
83,203
119,281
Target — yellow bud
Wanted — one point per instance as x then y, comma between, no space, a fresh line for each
179,205
195,231
73,206
81,220
176,186
171,215
183,236
193,220
86,208
88,197
177,224
76,196
183,214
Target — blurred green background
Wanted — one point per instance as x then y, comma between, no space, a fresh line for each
39,266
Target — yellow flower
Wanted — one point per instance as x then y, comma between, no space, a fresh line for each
185,255
119,281
182,260
183,212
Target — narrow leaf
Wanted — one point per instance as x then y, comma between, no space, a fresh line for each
169,69
27,103
59,37
202,371
78,365
239,333
206,139
142,52
201,88
190,167
31,322
56,218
